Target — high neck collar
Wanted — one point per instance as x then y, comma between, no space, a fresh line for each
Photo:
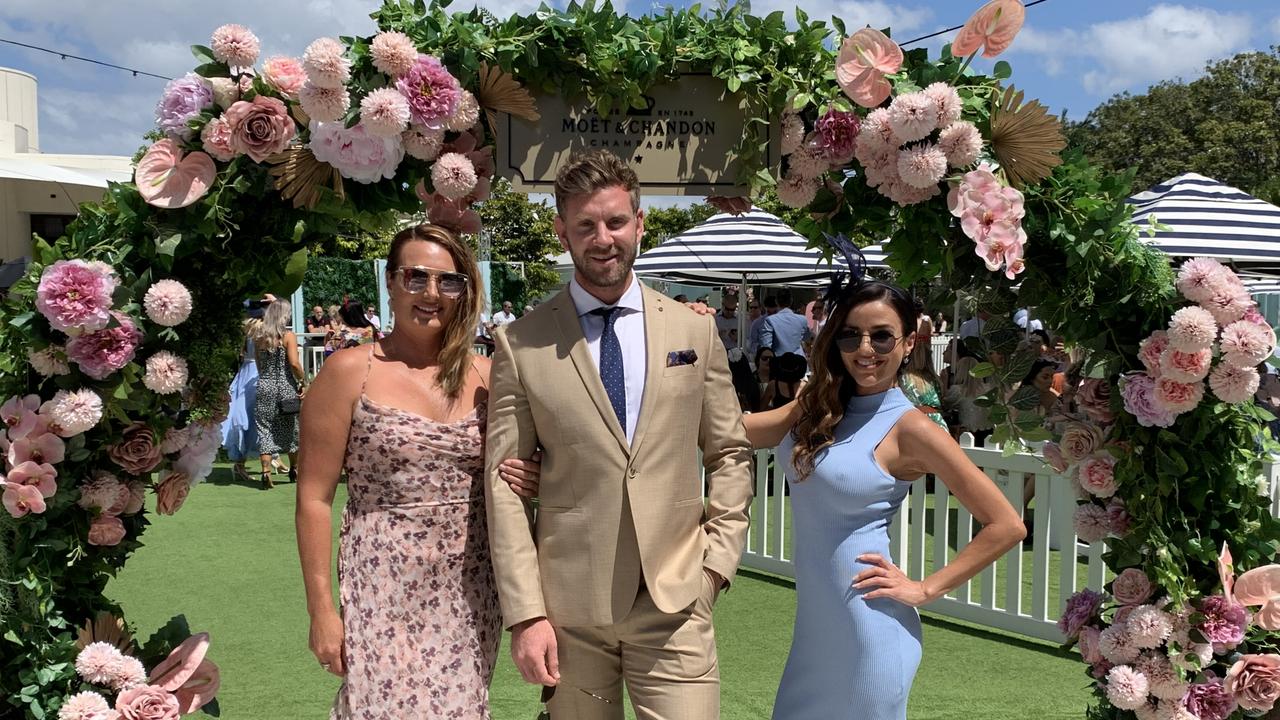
870,404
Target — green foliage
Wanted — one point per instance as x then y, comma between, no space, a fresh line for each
331,280
519,231
663,223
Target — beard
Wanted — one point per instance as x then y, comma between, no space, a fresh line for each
611,277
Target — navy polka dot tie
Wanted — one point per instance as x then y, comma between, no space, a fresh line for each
615,381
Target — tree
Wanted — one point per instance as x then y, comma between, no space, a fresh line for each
661,223
1225,125
519,231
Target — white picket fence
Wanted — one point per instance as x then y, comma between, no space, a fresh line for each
1024,591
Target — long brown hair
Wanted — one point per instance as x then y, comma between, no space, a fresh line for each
830,387
460,333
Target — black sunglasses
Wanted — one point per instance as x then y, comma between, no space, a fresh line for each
415,278
882,341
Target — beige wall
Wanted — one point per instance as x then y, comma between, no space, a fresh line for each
19,117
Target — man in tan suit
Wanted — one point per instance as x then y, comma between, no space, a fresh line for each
615,576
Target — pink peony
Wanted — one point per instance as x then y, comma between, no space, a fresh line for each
260,128
186,673
837,134
105,494
73,295
1138,391
1151,349
216,139
167,302
1177,397
1246,344
792,132
1088,643
1053,455
72,413
1192,329
1209,700
466,115
285,74
422,143
106,531
1097,475
94,661
1254,681
38,448
1199,277
235,46
453,176
87,705
1233,384
357,154
947,101
147,702
1082,609
913,116
225,91
1224,622
1091,522
22,499
171,493
324,104
325,65
1149,626
384,112
1228,303
1132,587
126,672
181,102
1126,687
432,92
961,143
50,361
796,191
1118,519
393,53
922,166
40,476
1079,440
1094,398
1185,367
1116,644
105,351
166,373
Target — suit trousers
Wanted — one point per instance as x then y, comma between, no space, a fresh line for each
666,661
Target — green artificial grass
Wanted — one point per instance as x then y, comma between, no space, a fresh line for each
228,560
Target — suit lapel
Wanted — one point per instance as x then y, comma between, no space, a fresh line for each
571,336
655,341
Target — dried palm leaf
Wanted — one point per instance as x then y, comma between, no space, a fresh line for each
299,176
107,628
1026,140
499,92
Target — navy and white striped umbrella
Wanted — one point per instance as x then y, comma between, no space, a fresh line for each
755,247
1210,219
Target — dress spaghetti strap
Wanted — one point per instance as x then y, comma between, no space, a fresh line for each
367,368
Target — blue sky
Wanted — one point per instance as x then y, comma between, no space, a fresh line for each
1072,54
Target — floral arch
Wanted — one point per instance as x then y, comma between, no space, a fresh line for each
111,390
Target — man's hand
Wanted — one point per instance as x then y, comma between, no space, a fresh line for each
533,648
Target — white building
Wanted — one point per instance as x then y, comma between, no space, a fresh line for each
39,193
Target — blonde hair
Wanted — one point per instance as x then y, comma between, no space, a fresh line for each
460,333
268,333
588,172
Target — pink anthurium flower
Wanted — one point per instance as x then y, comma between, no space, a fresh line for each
865,58
188,675
168,180
992,28
1261,586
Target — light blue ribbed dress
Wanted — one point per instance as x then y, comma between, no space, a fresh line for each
850,658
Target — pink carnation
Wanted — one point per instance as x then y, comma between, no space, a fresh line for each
1149,626
94,661
49,361
837,134
1177,397
913,116
325,64
1185,367
795,191
453,176
322,104
1091,522
104,494
235,46
105,351
1199,277
947,101
467,114
1151,349
1138,392
166,373
87,705
1116,644
1164,681
961,142
216,139
106,531
422,143
1131,587
126,672
1228,303
1097,475
432,92
1192,329
877,132
393,53
75,412
384,112
285,74
1233,384
792,132
357,154
1246,344
167,302
1224,622
808,161
75,295
1126,687
922,166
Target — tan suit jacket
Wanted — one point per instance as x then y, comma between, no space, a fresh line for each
609,513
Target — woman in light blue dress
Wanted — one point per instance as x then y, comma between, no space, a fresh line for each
239,434
851,444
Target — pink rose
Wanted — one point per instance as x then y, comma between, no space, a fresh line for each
260,128
147,702
1097,475
1254,681
171,493
1094,398
1131,587
1079,441
1053,456
106,531
1089,650
137,452
216,137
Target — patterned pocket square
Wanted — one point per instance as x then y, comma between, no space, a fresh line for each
676,358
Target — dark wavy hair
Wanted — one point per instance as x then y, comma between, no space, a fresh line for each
824,398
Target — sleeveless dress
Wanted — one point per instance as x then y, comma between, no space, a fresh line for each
419,604
239,431
850,658
277,431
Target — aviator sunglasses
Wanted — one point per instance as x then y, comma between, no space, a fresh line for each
883,342
415,278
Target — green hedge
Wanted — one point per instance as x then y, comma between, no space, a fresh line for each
329,280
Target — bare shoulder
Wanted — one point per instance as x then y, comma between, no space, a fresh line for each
483,365
343,372
916,434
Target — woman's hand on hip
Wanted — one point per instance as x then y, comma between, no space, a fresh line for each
887,580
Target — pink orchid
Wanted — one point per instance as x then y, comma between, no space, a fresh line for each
865,58
1261,586
44,448
22,499
41,476
168,180
19,415
188,675
1226,573
992,29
